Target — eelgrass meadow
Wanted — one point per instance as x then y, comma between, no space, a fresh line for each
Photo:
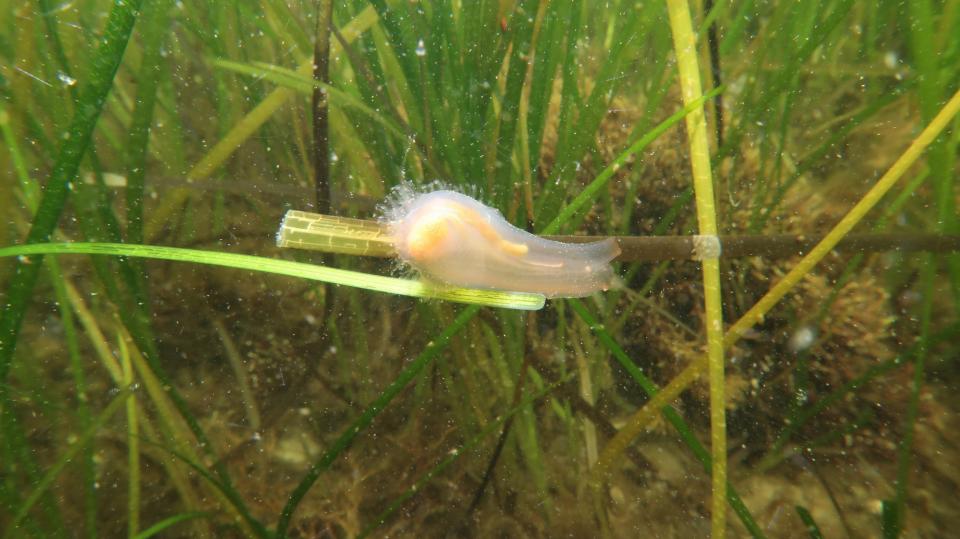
166,370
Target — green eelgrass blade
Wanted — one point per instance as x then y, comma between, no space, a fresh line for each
378,283
169,522
64,460
155,19
889,519
941,159
134,487
106,61
31,191
361,423
812,529
87,460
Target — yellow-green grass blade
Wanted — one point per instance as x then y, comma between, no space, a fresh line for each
377,283
681,26
170,522
332,234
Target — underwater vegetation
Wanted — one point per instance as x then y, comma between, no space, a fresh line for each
765,343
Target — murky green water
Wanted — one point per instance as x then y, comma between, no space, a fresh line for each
189,393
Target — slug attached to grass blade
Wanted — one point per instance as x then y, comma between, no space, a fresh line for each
453,239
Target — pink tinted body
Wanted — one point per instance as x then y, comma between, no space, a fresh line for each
453,239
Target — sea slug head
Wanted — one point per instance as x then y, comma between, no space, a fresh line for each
426,235
429,230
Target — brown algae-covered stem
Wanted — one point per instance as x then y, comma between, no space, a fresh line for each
320,106
305,230
659,248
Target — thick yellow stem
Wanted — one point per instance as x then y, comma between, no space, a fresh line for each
685,45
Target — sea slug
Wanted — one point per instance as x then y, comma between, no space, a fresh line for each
453,239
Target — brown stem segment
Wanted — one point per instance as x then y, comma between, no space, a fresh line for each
327,233
321,137
656,248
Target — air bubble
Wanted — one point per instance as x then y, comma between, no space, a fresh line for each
802,338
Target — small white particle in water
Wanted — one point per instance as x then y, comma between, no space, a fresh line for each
67,80
802,339
891,59
421,48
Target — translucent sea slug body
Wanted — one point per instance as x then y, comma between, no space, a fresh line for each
453,239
